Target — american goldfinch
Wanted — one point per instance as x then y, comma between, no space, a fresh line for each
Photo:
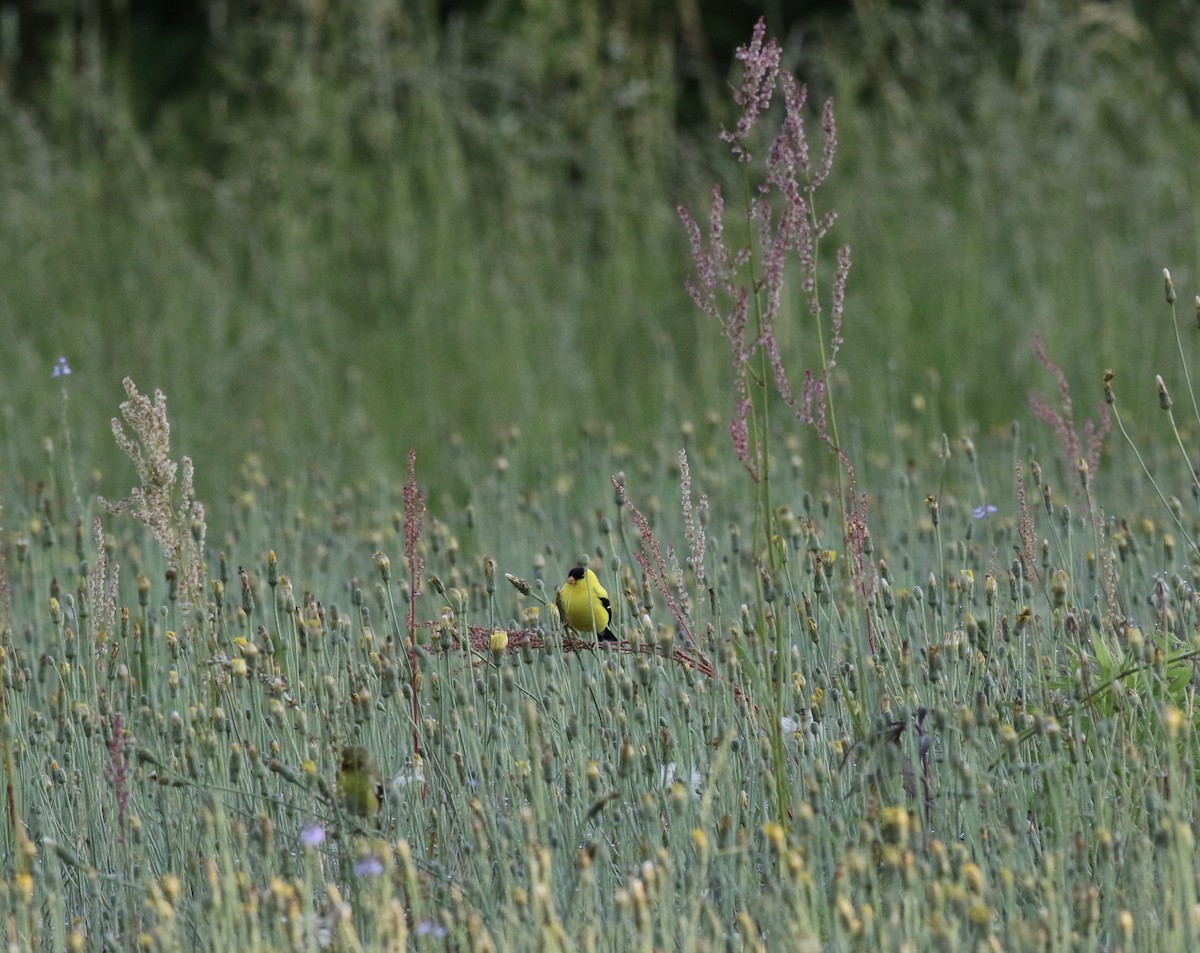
358,782
583,604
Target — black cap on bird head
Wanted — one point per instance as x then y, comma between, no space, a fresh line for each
575,575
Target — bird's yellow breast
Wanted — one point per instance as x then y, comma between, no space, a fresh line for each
582,604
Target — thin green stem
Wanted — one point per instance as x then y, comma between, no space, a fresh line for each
826,365
1182,449
767,623
1187,377
1149,476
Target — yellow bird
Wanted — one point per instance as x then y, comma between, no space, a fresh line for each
584,606
358,782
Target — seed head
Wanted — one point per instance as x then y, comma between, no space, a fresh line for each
518,583
1164,399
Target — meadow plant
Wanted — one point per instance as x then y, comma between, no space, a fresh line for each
742,288
662,569
1009,763
1171,505
177,525
1078,448
414,521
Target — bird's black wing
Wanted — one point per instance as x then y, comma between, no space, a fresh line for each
607,634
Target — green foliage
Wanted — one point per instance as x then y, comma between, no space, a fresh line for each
992,766
973,727
419,222
364,211
1035,183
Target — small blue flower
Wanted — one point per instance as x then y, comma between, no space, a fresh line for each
981,511
427,927
370,866
61,368
312,834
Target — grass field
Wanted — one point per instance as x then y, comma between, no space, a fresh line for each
906,657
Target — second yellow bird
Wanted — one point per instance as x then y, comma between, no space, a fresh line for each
358,783
584,606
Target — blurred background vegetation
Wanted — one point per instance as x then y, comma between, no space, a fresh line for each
331,232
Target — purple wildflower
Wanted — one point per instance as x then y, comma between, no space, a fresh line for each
761,57
312,834
369,866
429,927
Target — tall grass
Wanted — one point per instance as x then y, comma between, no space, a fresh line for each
1013,766
971,727
1038,182
364,210
418,222
1008,762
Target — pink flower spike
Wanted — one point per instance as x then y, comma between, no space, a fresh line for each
761,60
